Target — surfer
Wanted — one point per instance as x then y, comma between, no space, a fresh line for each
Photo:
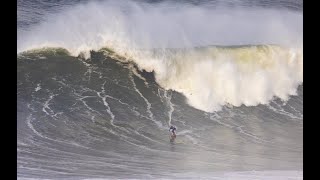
173,133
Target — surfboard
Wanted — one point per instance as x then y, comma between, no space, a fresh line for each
174,141
179,142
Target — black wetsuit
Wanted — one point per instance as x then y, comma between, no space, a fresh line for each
173,135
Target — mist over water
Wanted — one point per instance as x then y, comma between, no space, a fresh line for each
129,24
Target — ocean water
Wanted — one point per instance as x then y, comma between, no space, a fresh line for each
100,82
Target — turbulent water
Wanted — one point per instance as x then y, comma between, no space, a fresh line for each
100,82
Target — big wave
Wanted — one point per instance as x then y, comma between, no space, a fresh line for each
162,38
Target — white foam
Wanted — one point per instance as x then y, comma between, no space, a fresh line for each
151,117
106,104
246,76
167,97
209,79
46,106
38,87
130,25
30,125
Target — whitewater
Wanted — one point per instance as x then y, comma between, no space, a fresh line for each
100,82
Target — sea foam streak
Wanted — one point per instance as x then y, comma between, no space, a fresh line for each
209,77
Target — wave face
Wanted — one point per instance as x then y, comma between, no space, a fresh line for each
100,82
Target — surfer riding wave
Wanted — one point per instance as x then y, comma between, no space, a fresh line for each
173,133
